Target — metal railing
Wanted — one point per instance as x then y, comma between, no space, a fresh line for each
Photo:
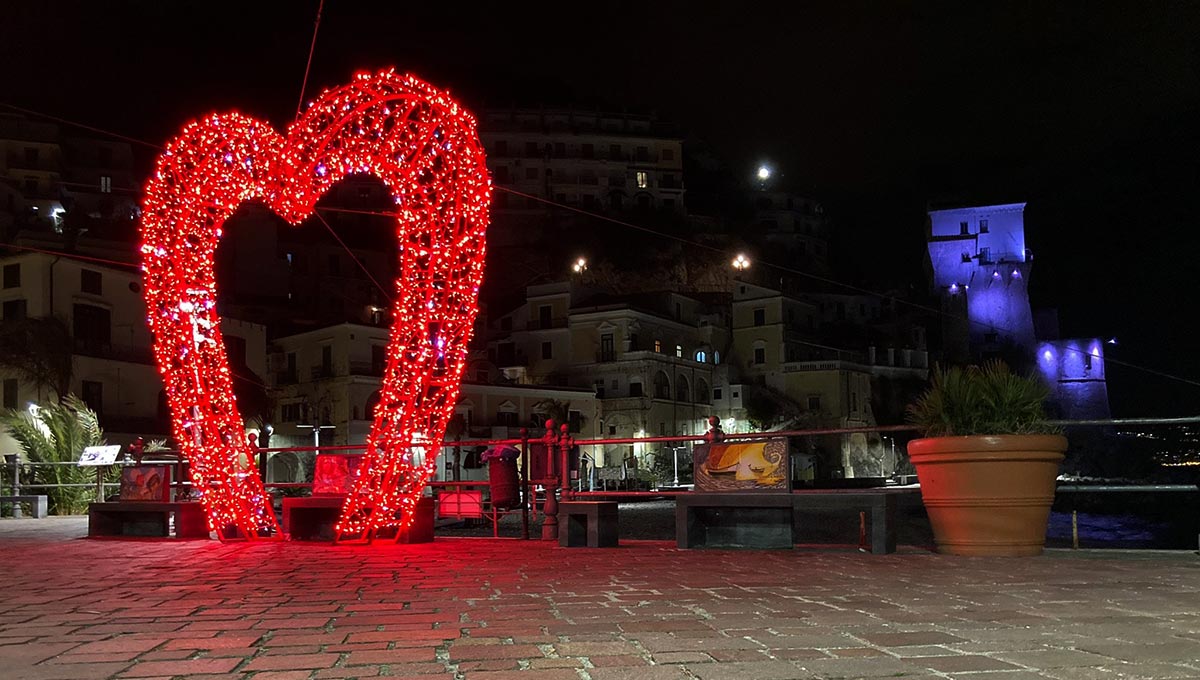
562,462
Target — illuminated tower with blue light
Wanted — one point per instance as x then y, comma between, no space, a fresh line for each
981,271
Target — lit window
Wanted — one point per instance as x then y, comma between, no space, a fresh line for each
701,356
678,351
105,184
642,180
658,346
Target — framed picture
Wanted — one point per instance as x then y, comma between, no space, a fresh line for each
333,474
750,466
146,483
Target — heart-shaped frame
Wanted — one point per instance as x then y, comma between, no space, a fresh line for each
426,150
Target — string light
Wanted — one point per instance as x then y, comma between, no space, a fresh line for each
425,148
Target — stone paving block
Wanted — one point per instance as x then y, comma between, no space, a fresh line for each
1169,651
525,674
188,667
748,670
1054,658
859,668
639,673
961,663
291,662
905,639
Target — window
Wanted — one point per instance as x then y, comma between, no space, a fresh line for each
642,179
814,403
531,150
736,394
507,418
633,343
716,393
599,387
612,430
92,327
560,149
658,346
1087,361
963,229
760,316
378,359
983,226
105,184
531,173
853,401
10,393
678,351
607,349
547,350
760,355
985,255
93,395
290,413
678,311
90,281
12,275
615,384
701,356
327,360
635,389
668,154
544,316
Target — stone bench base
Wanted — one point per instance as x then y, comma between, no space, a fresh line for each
147,518
39,506
591,524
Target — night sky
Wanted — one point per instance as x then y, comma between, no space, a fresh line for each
1088,111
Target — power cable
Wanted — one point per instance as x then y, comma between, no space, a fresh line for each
311,48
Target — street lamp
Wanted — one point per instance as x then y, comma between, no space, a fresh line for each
764,173
579,266
741,262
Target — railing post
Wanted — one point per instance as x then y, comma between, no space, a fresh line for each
550,507
14,459
526,497
565,442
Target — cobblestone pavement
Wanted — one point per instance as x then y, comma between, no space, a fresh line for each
483,609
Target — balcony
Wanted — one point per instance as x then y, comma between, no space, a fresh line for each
544,324
320,372
369,368
286,378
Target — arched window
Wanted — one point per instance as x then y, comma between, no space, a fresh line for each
682,391
703,396
662,386
716,357
372,404
701,356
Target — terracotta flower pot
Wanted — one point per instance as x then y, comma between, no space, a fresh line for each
988,495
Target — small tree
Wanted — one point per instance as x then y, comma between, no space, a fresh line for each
38,349
53,436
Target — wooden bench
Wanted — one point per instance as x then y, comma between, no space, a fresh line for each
588,523
39,506
147,518
312,518
767,520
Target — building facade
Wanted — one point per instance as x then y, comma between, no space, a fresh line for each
112,361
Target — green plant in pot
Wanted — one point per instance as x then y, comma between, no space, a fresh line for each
988,462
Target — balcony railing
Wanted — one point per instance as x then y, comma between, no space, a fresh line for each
543,324
321,372
370,368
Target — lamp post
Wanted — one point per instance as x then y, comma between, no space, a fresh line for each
550,482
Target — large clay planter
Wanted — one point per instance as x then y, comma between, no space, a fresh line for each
988,495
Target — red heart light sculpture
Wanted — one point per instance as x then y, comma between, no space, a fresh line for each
425,148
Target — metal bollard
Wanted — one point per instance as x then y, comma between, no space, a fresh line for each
15,460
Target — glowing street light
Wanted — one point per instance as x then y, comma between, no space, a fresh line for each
579,266
741,262
764,173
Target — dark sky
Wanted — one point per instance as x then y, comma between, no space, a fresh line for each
1088,111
